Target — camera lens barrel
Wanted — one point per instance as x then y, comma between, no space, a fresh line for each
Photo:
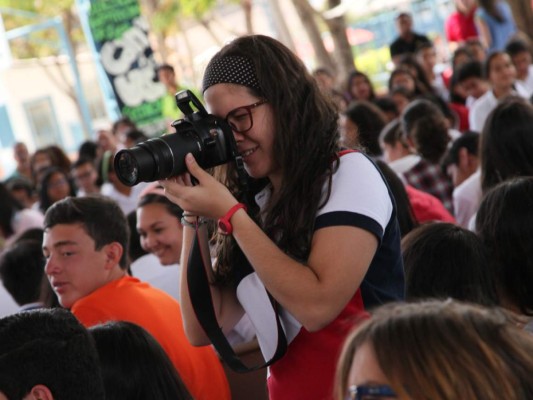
155,159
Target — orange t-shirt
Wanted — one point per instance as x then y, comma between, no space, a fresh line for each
128,299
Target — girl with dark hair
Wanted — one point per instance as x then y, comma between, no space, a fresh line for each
359,87
507,143
155,241
500,71
362,123
311,236
505,224
495,24
403,77
159,226
423,83
134,365
55,186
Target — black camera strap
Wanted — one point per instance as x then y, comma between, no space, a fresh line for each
202,303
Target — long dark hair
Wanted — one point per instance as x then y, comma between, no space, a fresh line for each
134,365
505,224
305,146
44,200
9,205
507,143
351,78
370,120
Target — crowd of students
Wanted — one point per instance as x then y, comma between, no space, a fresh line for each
420,197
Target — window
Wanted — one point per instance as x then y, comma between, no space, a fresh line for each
7,138
43,122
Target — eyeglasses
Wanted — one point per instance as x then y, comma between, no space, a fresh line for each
57,183
240,119
367,392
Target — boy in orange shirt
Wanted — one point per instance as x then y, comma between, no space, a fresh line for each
85,244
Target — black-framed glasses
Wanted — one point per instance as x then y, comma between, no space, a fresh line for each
240,119
369,392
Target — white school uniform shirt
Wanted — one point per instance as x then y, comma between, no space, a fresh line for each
482,107
527,84
466,199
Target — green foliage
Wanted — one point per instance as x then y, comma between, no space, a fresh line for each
373,62
163,18
43,43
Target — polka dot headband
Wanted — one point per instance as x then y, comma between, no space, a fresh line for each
231,69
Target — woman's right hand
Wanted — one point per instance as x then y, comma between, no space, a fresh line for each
208,198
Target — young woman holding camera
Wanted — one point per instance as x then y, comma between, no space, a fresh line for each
321,236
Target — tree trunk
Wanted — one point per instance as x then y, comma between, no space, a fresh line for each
343,49
247,8
281,25
151,7
190,52
207,25
307,15
523,14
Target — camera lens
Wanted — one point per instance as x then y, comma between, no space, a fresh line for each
127,168
135,165
155,159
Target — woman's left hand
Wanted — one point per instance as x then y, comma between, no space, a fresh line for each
208,198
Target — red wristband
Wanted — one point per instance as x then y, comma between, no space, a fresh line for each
224,224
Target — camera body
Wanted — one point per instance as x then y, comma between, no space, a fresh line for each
209,138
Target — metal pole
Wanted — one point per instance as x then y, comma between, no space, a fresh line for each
84,107
57,24
110,100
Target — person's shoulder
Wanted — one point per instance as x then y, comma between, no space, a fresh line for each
396,46
481,102
421,38
349,160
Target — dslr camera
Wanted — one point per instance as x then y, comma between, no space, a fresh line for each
209,138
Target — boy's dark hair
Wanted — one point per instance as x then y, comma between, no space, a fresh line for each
471,69
515,47
101,218
444,260
468,140
82,161
123,121
50,348
22,271
136,136
88,149
387,105
165,67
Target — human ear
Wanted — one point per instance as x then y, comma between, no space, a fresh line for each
39,392
113,252
463,161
